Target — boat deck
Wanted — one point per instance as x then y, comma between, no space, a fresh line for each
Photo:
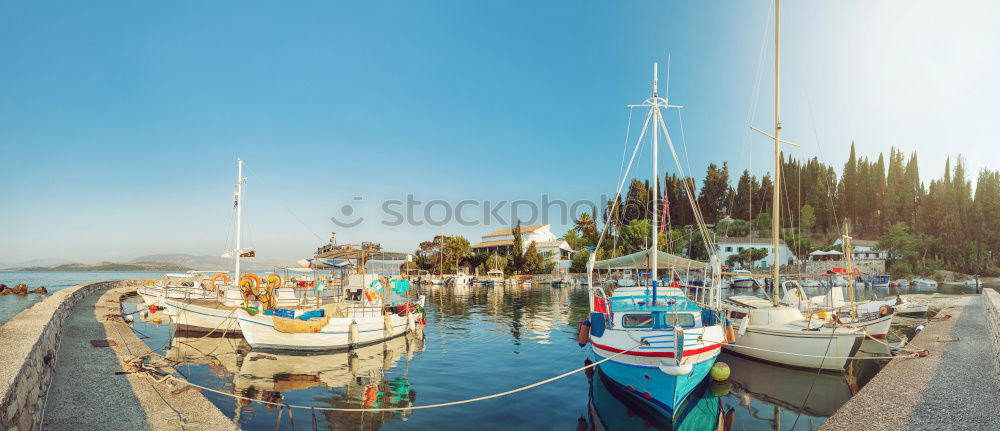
956,387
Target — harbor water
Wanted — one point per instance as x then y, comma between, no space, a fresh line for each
481,341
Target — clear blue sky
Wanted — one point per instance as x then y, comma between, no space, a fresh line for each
120,121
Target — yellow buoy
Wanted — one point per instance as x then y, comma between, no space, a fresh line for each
156,320
720,371
822,315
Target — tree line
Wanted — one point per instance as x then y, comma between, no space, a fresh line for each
447,254
945,224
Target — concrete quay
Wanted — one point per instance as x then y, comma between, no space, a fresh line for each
63,369
956,387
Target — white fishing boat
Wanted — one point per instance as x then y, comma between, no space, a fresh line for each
779,333
923,282
741,279
337,326
216,309
175,286
659,344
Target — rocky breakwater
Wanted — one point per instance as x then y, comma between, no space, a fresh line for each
30,344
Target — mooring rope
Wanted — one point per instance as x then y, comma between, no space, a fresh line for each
148,372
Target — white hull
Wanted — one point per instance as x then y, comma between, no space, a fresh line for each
259,332
201,317
797,349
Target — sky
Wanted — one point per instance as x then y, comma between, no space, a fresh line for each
121,122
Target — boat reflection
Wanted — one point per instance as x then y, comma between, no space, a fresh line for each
805,392
360,375
612,407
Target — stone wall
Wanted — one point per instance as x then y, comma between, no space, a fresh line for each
991,301
30,343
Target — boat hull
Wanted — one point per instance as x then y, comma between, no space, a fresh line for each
797,349
640,370
259,332
194,317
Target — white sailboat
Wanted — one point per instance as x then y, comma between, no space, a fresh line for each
217,310
779,333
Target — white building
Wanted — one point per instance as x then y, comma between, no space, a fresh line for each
548,245
732,246
864,249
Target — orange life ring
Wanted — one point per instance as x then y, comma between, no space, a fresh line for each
371,295
220,276
274,281
250,284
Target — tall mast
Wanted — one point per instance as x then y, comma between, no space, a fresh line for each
776,199
237,196
653,264
849,255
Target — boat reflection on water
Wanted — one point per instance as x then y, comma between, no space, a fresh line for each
348,379
613,408
801,391
359,375
221,354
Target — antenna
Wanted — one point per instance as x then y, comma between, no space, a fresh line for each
666,88
655,73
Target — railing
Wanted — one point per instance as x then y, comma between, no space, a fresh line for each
991,301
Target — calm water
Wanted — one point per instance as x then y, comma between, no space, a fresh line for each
481,341
478,341
10,305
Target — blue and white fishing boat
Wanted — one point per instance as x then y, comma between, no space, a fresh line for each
654,340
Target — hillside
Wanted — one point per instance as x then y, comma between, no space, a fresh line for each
106,266
210,262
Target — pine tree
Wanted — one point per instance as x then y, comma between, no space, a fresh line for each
517,249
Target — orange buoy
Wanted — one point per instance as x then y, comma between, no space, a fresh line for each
730,333
219,277
152,308
583,332
371,396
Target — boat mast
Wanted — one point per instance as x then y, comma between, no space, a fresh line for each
849,255
776,199
237,196
653,264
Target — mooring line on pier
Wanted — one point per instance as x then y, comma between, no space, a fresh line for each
149,372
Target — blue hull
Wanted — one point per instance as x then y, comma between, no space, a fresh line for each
658,388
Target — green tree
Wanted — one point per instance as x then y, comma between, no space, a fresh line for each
517,249
579,263
732,227
763,222
808,218
533,262
572,238
457,248
714,190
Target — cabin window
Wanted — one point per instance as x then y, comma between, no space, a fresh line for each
637,320
684,320
735,315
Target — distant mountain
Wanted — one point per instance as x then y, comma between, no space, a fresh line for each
211,262
107,266
34,262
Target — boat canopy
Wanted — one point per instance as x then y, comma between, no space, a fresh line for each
322,263
640,260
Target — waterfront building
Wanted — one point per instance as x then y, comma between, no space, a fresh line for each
548,245
734,245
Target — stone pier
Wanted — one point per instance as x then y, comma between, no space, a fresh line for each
58,370
956,387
